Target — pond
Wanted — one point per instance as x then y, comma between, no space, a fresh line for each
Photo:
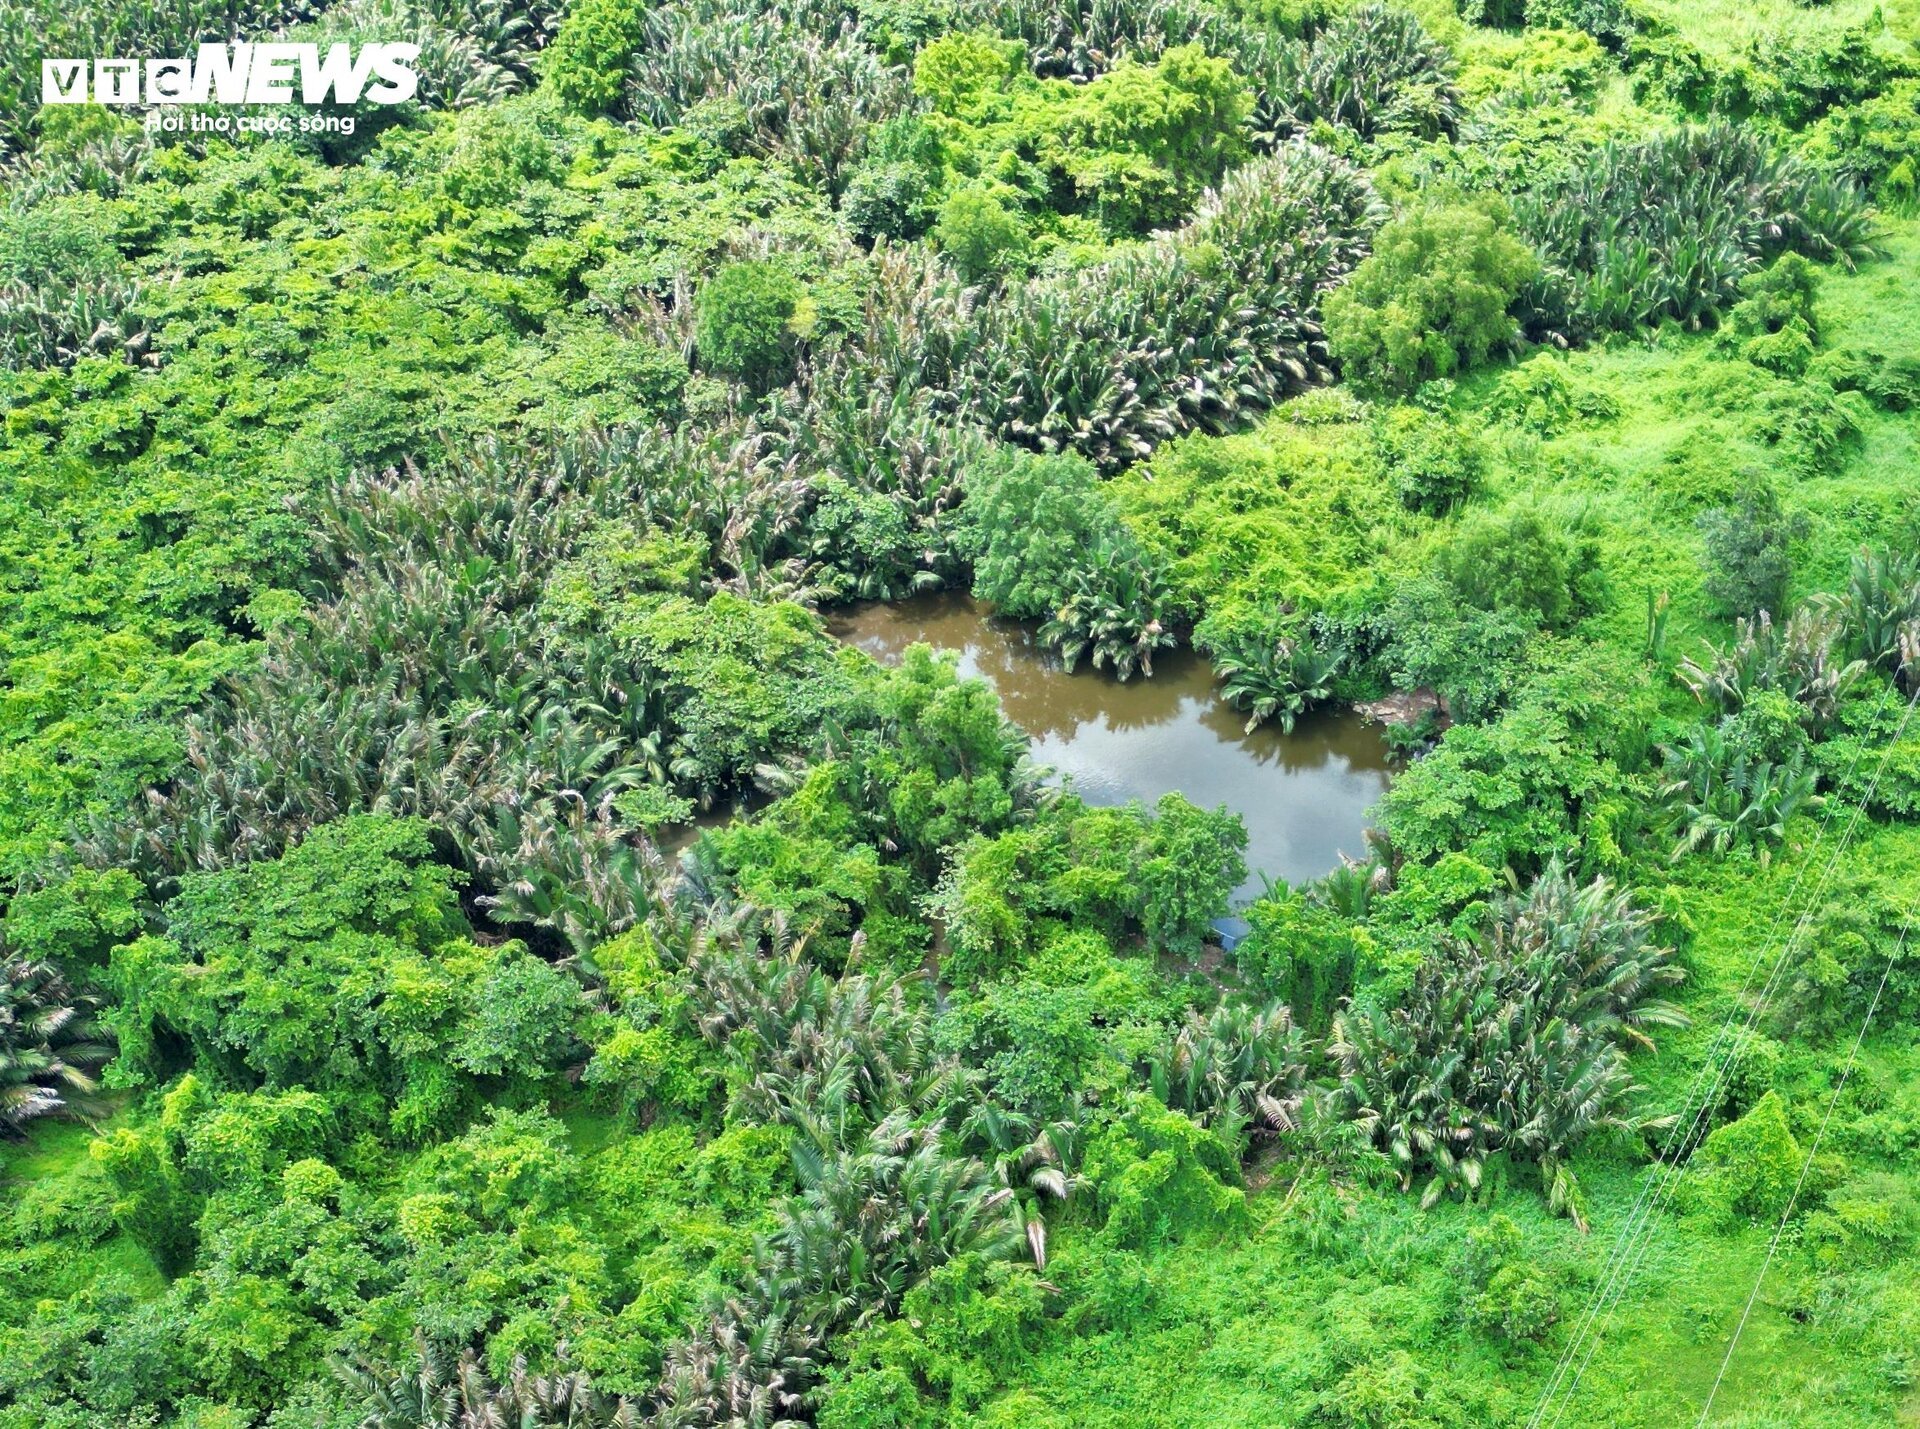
1305,796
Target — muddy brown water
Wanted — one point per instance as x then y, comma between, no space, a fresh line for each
1306,797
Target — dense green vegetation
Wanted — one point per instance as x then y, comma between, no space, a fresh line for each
477,951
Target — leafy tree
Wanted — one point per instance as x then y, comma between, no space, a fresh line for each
1142,141
343,966
1028,522
743,320
1432,299
1305,954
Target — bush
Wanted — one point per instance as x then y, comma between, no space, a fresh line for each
1028,522
1522,564
1773,324
1307,955
1432,299
1748,560
587,63
1747,1168
742,322
982,235
1434,463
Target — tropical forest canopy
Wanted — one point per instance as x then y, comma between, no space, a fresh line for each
415,537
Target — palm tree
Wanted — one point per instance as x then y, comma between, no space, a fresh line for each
1724,797
1032,1158
1514,1041
1237,1068
874,1221
750,1366
1273,677
430,1393
49,1043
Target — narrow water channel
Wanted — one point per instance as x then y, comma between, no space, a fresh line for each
1305,796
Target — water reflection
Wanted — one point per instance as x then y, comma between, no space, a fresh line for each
1305,796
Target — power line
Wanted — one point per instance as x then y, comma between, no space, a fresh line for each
1806,1165
1636,1234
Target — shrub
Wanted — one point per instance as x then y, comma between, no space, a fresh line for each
1510,1042
742,322
981,234
1523,564
1773,324
1747,1167
1435,464
1432,299
1307,955
1747,550
587,63
1028,522
1725,794
1111,611
1802,659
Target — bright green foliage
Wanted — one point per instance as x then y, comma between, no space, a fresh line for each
1435,465
1512,792
1873,143
1155,1174
1041,1036
1290,511
587,63
1521,564
743,321
956,1336
981,235
1432,299
1135,147
1142,142
1748,1167
1774,322
1028,524
1160,874
1306,955
381,587
344,967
